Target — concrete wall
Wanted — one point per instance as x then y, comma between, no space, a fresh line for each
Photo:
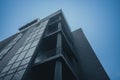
88,64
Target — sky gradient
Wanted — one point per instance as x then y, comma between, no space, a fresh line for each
99,19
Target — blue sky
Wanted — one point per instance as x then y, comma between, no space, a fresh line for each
99,19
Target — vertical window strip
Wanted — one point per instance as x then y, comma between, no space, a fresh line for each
10,45
34,42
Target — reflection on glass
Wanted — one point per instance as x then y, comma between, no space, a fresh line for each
18,75
15,65
30,52
11,71
25,61
35,43
27,46
22,67
6,68
21,56
9,46
13,59
3,74
8,77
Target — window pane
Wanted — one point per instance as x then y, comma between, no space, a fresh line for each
40,33
22,67
27,46
31,40
28,38
34,43
15,65
3,52
8,77
6,68
36,31
1,78
11,71
33,36
13,59
21,56
18,75
38,36
25,61
30,52
19,50
3,74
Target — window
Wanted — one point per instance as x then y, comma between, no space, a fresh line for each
40,33
1,78
6,68
18,75
27,46
35,43
30,34
31,40
22,67
28,38
42,29
36,31
30,52
33,36
18,37
13,59
3,53
6,49
37,37
25,61
20,49
3,74
10,44
11,71
21,56
15,65
8,77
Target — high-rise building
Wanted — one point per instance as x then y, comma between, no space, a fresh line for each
46,49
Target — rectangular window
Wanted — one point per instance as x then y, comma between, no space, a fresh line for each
25,61
9,46
31,40
27,46
12,71
13,59
22,67
3,74
35,43
6,68
28,38
18,75
21,56
8,77
30,52
15,65
33,36
19,50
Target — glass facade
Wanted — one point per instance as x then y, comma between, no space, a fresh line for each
10,45
56,55
19,62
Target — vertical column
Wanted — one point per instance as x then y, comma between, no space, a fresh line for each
59,26
59,44
58,71
58,65
59,41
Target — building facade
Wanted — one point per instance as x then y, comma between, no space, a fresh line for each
46,49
